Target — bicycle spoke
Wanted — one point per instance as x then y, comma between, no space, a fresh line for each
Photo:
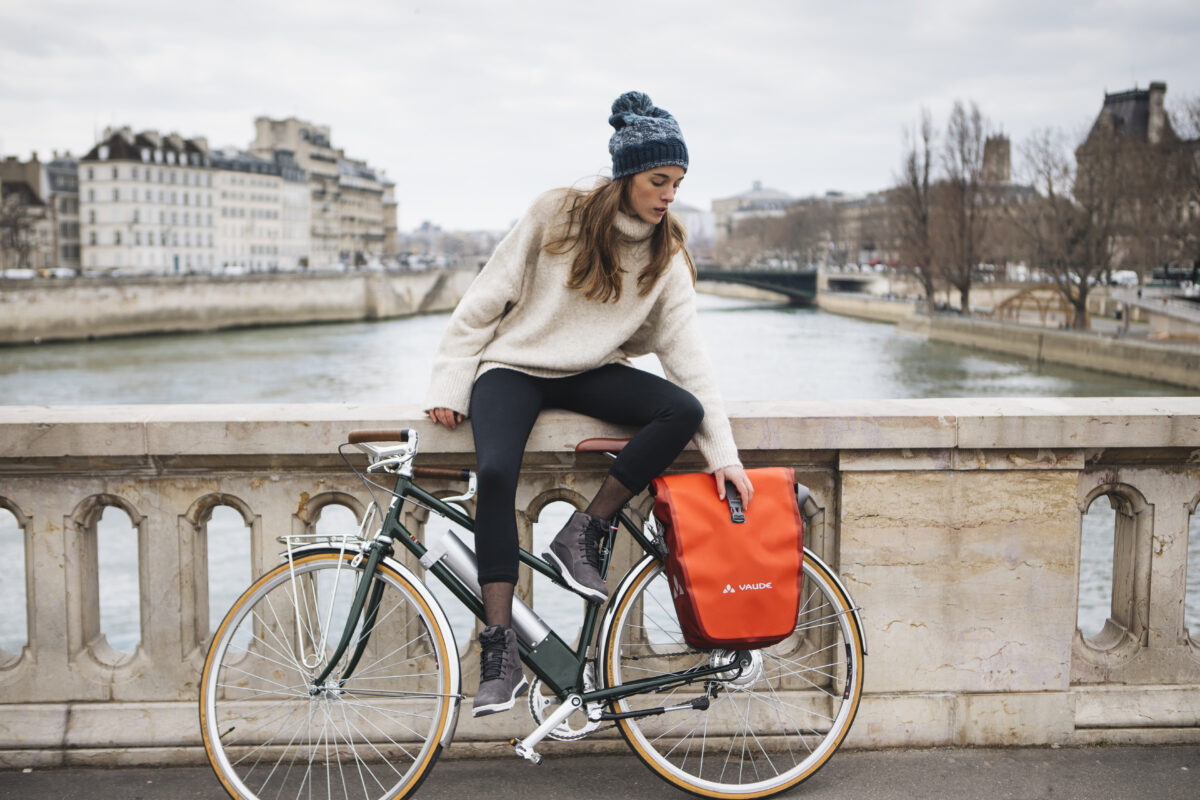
758,735
366,738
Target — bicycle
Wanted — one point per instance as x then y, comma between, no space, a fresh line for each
336,673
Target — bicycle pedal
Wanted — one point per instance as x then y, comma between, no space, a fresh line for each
528,753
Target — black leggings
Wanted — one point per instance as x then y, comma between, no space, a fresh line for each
505,404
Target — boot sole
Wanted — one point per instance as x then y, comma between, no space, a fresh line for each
496,708
577,587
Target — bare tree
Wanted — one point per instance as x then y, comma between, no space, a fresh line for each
1070,225
19,233
961,200
1187,171
914,206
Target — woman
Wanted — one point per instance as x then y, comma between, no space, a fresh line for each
583,282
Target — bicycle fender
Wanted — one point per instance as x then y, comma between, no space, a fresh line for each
610,611
446,734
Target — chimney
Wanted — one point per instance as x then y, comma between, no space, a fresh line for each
1157,120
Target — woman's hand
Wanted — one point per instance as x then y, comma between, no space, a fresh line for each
741,482
444,416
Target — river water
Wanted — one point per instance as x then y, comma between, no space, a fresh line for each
760,351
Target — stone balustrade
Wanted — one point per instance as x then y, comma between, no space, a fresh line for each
955,523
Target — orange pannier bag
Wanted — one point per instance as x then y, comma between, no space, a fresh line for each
734,573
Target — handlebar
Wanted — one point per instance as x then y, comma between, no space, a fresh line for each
442,472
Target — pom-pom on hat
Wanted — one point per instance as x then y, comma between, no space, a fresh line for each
646,136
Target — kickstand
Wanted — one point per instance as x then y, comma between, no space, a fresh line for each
524,747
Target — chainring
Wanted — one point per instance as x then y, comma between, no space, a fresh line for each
542,702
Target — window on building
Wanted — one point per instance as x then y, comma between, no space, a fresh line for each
116,237
92,240
92,217
103,152
116,195
91,174
91,195
135,215
145,154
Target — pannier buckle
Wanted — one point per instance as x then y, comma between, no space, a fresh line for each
736,513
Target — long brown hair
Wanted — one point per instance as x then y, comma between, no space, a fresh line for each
591,230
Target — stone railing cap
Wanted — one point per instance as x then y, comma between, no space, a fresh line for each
299,429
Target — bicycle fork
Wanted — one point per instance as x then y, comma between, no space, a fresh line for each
367,595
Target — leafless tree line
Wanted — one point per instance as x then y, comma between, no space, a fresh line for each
1079,208
1078,211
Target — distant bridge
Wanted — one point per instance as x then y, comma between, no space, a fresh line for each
800,285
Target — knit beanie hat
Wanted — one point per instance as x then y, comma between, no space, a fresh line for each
646,136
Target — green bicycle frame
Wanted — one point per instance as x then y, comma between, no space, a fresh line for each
560,667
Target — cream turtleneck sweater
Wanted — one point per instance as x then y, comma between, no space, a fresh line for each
519,314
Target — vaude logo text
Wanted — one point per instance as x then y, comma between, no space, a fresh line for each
746,587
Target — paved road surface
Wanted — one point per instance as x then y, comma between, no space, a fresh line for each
1107,773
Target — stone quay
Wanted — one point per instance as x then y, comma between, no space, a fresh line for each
954,523
96,308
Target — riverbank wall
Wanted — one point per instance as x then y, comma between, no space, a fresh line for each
865,306
955,524
1174,363
34,311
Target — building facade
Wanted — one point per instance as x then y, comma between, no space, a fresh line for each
146,204
264,212
48,194
352,204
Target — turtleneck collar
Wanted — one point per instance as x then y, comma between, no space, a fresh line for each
633,228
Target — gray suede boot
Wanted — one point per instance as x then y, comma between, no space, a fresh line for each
575,551
501,680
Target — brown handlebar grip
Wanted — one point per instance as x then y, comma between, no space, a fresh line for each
378,435
441,472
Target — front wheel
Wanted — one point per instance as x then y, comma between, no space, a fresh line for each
270,731
770,724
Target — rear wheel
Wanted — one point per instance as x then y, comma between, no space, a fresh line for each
271,732
771,723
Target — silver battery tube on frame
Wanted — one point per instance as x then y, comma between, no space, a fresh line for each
458,558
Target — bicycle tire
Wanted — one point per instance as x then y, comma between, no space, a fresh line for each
269,733
764,732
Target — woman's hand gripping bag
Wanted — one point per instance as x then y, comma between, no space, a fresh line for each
734,572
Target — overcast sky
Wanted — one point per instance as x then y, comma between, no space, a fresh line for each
473,108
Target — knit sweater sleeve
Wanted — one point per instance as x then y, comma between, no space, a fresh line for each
673,334
489,297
